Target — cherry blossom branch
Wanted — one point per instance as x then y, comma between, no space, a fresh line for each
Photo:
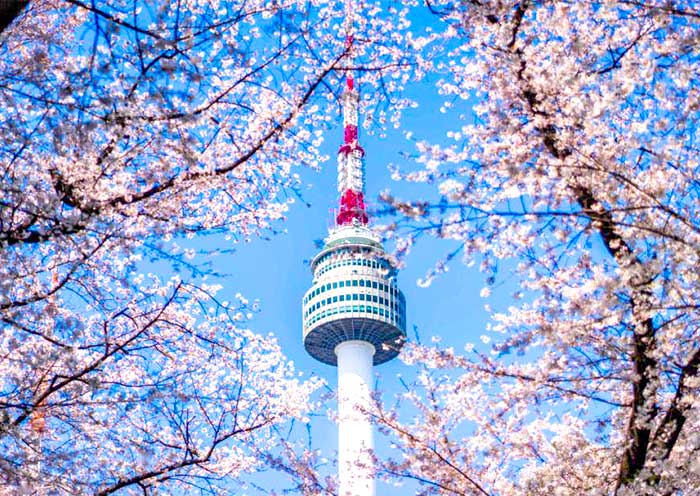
429,447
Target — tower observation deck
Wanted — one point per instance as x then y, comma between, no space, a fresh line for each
354,296
354,314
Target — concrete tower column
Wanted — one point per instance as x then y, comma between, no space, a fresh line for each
355,442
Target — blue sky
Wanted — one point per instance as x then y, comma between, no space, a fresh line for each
275,273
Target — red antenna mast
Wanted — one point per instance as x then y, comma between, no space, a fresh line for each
351,164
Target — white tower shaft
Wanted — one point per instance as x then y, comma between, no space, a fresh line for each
355,443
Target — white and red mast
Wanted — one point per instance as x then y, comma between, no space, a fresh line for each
351,166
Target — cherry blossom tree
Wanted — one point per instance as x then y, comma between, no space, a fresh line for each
126,129
572,169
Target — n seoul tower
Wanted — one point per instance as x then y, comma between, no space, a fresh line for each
354,315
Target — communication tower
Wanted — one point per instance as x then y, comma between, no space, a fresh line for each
354,314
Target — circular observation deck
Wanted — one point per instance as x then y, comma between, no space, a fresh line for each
354,296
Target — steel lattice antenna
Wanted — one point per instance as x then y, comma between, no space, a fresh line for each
351,164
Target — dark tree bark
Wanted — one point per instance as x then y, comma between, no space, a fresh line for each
9,10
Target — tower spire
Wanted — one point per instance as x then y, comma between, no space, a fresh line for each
351,166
